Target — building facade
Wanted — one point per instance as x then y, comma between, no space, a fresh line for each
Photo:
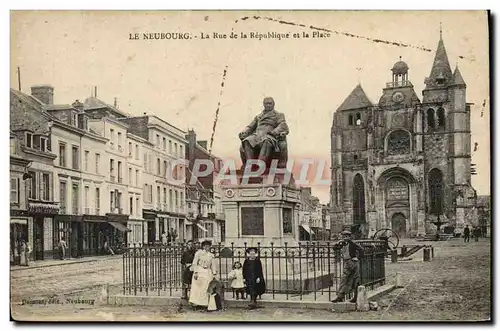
164,183
404,163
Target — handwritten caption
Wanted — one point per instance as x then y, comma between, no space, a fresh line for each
58,301
228,36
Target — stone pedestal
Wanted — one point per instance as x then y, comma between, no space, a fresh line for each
261,213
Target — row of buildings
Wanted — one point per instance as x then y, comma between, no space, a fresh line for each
88,173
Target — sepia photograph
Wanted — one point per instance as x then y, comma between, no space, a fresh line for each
250,166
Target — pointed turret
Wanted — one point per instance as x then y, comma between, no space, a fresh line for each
357,99
457,79
441,70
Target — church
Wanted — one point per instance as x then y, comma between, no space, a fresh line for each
405,163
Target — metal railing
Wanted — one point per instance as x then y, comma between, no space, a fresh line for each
307,271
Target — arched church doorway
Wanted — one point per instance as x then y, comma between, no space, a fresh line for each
397,204
398,224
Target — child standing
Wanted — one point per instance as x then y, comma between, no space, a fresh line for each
237,281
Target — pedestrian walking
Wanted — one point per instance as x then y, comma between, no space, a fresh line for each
254,277
204,272
476,233
62,248
466,234
237,280
186,262
350,252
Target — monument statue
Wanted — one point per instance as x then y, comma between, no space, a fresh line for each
265,137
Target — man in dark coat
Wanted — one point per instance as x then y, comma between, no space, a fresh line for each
186,261
350,251
254,277
466,234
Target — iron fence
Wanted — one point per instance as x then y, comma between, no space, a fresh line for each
307,271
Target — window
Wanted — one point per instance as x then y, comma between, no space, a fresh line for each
86,161
74,157
158,140
435,183
120,177
62,197
171,199
112,138
175,149
176,201
170,146
74,118
130,150
441,118
97,200
112,201
131,206
43,144
86,200
358,119
29,140
158,197
136,152
164,195
62,154
164,144
210,229
165,166
182,202
358,200
74,194
145,161
137,178
120,141
158,166
398,143
430,118
112,170
130,178
33,187
14,190
45,187
97,162
137,206
181,149
351,120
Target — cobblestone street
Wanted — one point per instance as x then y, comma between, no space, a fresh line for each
455,286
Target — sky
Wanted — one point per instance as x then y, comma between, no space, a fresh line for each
180,80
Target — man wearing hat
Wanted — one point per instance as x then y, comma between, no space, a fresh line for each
350,276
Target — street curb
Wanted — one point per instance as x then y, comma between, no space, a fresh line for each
65,263
130,300
381,291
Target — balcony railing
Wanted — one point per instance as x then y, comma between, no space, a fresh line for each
399,84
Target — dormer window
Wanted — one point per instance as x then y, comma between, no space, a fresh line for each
29,140
74,118
358,119
351,121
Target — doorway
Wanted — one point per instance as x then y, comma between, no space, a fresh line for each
398,223
38,238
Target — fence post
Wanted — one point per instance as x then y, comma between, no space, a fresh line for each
399,282
394,256
362,299
427,254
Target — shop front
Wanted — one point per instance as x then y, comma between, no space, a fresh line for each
18,234
40,228
149,216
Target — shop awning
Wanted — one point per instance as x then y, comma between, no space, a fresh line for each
120,226
201,227
18,221
307,228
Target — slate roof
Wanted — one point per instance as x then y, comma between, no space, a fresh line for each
357,99
457,77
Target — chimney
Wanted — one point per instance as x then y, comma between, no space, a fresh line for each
44,93
77,105
203,143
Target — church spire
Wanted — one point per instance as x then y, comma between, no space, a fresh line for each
441,71
457,77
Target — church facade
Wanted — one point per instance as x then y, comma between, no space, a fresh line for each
405,163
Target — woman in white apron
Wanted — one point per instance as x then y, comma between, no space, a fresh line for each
203,268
